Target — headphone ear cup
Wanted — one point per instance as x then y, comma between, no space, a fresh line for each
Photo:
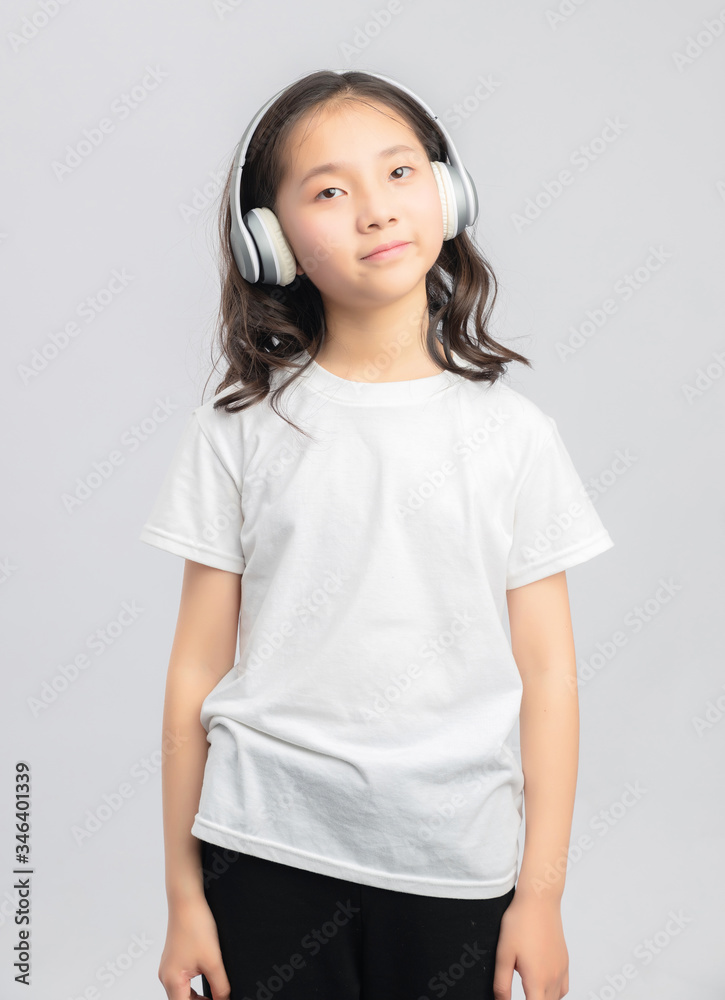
276,257
453,198
446,195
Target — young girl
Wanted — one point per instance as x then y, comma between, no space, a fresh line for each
341,819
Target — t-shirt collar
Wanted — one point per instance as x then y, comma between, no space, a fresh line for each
320,380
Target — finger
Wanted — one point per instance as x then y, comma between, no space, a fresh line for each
180,988
218,982
535,992
503,975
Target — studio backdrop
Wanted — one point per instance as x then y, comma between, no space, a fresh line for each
594,133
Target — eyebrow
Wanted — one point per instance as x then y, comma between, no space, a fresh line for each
330,168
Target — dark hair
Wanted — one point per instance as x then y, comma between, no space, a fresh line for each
261,327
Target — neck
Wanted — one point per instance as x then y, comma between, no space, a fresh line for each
383,344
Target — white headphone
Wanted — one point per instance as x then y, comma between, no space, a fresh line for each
259,246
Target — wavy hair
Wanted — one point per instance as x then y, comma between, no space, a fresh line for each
261,328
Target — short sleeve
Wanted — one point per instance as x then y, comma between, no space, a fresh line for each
198,510
555,524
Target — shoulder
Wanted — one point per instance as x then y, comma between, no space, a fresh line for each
528,415
244,422
521,419
215,419
221,429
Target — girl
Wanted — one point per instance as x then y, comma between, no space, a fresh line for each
342,818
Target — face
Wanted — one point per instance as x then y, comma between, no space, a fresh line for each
372,195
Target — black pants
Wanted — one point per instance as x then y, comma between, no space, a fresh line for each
292,934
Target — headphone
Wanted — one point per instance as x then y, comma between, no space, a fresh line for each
259,246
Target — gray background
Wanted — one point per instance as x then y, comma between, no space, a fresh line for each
622,392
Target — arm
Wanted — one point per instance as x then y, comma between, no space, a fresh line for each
543,647
532,939
203,652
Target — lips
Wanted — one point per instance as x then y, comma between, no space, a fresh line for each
386,246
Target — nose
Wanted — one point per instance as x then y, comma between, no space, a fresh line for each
376,208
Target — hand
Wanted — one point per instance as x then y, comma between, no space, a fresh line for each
531,941
192,948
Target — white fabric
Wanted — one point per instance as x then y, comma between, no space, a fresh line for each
365,731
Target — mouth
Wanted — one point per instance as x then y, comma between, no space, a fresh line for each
386,250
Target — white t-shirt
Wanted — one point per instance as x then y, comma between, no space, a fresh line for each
365,731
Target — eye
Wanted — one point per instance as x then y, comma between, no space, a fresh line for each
325,190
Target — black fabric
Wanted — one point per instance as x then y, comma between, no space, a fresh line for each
293,934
